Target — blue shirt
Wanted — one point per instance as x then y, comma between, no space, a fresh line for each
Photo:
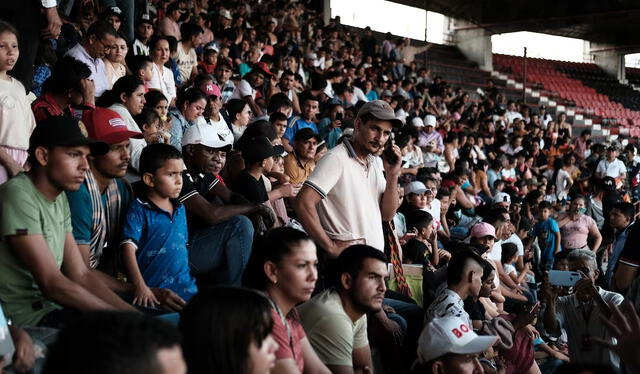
545,231
179,126
296,124
618,246
161,240
82,210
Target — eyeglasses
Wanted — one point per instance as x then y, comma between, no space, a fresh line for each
106,47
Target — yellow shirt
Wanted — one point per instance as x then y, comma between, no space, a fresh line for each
297,172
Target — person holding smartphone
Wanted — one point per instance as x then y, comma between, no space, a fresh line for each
580,312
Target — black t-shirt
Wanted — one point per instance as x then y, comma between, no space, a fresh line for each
630,254
251,188
194,184
475,309
416,251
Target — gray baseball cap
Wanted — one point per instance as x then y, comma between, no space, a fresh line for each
381,110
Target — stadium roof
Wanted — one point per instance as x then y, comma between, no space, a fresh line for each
615,22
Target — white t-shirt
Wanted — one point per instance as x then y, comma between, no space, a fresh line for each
611,169
509,268
186,62
515,239
162,80
434,210
242,90
221,127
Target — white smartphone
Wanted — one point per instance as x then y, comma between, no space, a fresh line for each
6,342
564,278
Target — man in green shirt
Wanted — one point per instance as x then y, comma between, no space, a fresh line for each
41,269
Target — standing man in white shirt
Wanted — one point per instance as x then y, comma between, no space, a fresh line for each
611,166
99,39
347,197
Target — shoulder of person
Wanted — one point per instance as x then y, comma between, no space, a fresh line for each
293,121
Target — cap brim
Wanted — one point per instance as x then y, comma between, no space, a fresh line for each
120,136
477,345
97,147
419,191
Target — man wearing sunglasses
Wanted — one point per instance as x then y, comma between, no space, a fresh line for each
99,39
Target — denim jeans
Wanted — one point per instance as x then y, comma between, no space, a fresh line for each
223,249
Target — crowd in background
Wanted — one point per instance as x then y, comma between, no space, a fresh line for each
237,187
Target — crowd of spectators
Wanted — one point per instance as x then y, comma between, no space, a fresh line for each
237,187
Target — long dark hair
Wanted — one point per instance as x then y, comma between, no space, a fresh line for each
235,106
125,85
275,245
218,326
189,95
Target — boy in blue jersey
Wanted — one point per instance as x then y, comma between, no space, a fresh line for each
548,233
154,246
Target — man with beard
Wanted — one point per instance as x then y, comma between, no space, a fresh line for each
99,206
43,280
335,320
347,197
580,312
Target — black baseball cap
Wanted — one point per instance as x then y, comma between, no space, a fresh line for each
306,134
260,148
145,18
66,132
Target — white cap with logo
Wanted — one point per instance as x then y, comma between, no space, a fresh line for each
501,197
207,135
450,335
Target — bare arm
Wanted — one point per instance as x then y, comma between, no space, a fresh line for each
558,238
362,359
212,214
113,284
389,204
73,266
504,277
305,207
593,230
550,320
312,363
461,198
55,286
624,276
257,111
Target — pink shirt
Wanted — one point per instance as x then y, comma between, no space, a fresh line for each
575,233
169,27
289,339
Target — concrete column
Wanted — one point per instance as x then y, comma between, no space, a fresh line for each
475,43
610,59
326,11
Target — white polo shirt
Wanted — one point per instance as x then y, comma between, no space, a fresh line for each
351,194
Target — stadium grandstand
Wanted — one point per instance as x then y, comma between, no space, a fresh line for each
298,186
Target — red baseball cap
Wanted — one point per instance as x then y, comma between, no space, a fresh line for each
107,126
